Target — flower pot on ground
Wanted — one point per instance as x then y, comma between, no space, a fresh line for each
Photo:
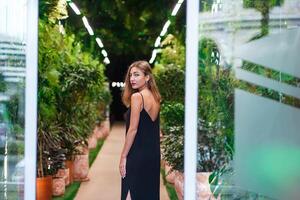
44,188
65,174
69,165
178,184
170,174
203,187
58,186
97,132
81,163
105,128
203,190
92,141
81,167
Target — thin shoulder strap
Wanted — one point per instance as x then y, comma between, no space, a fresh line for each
142,98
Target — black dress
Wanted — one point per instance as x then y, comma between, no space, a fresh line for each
142,178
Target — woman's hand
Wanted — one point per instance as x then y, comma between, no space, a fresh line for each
122,167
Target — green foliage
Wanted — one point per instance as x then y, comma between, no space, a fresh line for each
215,123
2,83
52,10
169,74
173,148
216,117
263,6
15,148
170,82
173,52
172,115
72,95
124,23
206,5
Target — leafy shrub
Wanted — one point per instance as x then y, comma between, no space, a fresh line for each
172,115
170,82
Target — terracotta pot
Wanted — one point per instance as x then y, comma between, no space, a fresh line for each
58,186
69,165
178,184
81,167
92,142
105,128
203,187
65,174
170,175
44,188
97,132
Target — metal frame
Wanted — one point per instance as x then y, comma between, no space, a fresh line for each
191,100
31,99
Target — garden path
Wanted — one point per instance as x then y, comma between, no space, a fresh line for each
104,183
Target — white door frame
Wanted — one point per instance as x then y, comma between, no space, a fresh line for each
191,100
31,99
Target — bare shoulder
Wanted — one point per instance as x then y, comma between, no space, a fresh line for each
136,99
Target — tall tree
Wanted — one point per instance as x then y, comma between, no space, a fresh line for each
264,7
128,29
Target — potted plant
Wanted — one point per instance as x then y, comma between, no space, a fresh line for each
60,177
47,140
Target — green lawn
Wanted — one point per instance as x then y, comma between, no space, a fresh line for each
94,152
72,189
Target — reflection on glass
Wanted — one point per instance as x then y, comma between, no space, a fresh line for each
249,77
12,79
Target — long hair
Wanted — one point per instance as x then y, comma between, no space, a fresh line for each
128,90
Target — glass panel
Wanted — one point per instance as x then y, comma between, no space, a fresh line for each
249,98
12,79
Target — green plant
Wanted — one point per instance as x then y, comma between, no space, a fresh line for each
264,8
57,159
169,74
15,147
215,123
2,83
171,78
71,91
172,115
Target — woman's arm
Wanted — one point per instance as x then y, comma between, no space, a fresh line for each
136,102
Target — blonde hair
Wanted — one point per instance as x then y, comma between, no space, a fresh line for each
144,66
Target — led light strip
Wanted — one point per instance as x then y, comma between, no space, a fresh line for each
164,31
90,30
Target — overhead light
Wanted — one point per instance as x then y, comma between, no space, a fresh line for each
87,25
75,8
114,84
104,53
106,60
176,8
99,42
154,52
157,41
165,28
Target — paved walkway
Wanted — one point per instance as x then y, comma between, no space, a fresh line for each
104,174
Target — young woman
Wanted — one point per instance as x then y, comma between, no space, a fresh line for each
140,158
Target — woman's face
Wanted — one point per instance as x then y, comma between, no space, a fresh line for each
137,78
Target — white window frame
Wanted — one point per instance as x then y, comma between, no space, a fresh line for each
191,100
31,100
